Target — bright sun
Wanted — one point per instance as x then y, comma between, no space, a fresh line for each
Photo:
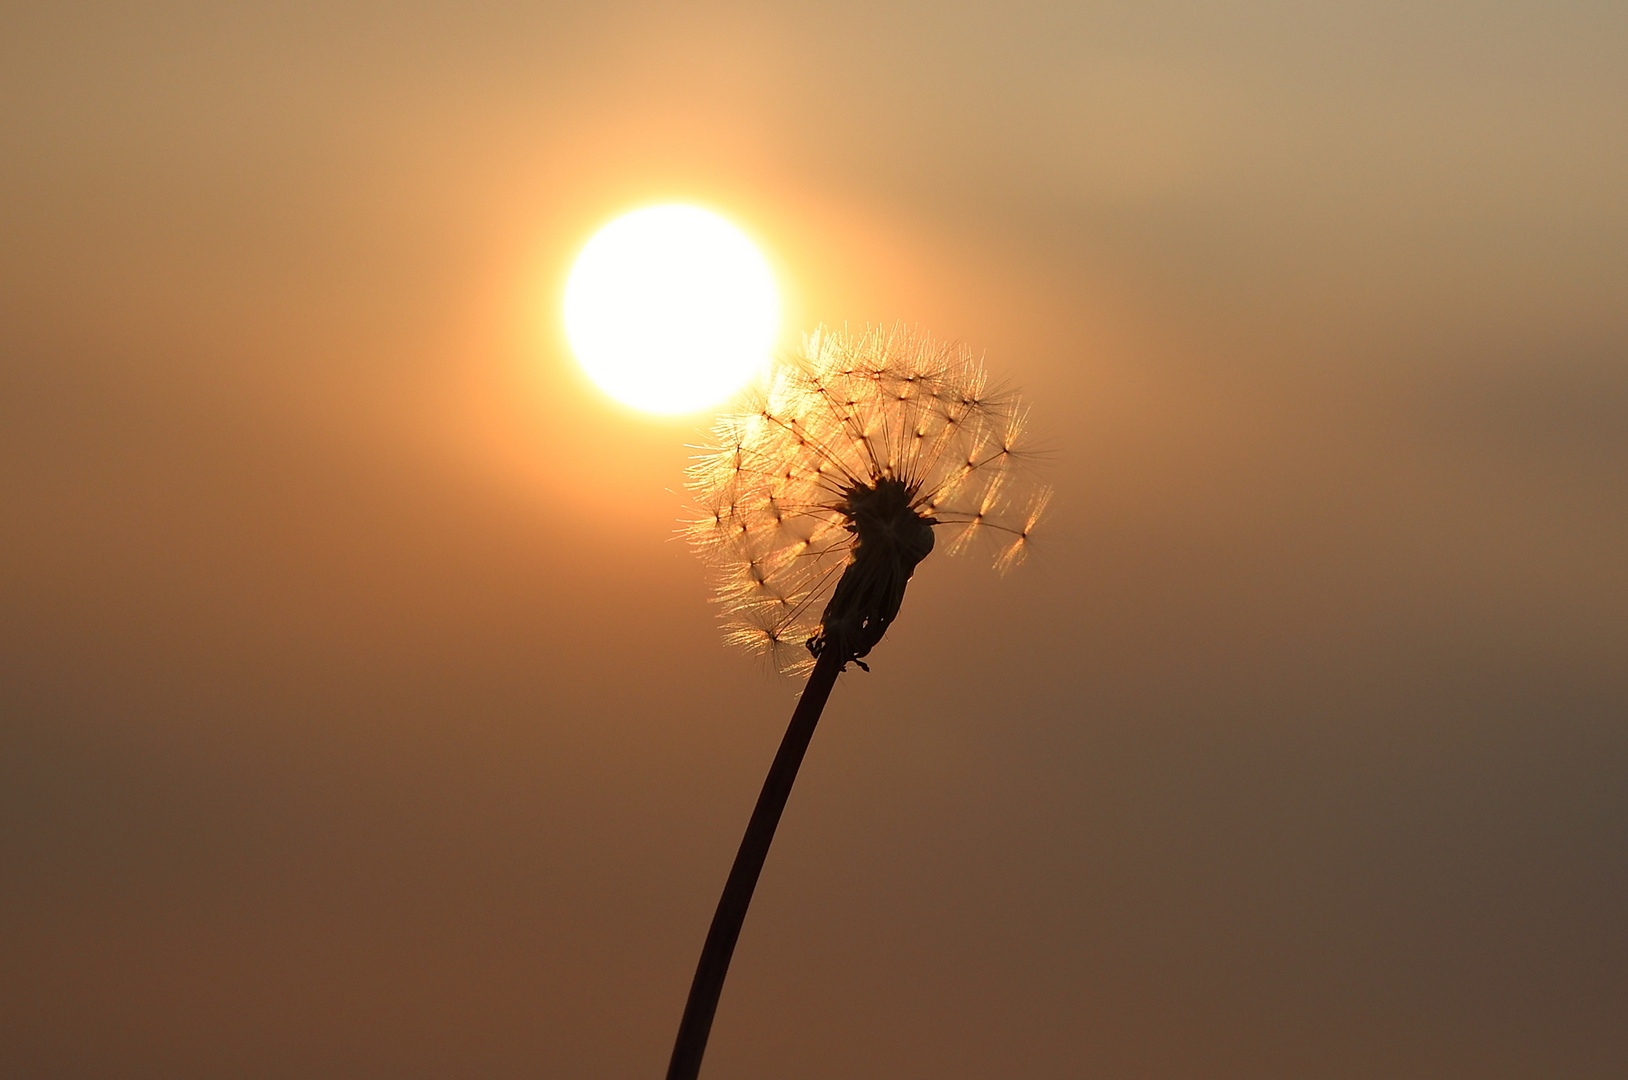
671,309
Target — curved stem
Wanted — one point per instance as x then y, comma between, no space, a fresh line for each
726,921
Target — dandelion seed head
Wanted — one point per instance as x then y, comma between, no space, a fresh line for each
820,495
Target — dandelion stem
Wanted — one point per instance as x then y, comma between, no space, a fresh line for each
737,896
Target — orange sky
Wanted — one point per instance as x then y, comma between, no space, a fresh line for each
362,717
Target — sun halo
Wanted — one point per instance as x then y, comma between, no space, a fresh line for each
670,309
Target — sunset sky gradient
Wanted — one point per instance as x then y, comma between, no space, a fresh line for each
360,715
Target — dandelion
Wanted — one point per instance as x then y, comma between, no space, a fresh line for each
818,499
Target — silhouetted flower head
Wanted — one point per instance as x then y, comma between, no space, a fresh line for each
822,493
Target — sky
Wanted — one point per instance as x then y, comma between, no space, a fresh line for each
360,715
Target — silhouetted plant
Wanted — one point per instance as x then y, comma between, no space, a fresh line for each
819,497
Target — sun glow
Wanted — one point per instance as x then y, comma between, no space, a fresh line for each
671,309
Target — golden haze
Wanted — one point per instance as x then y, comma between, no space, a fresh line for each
362,718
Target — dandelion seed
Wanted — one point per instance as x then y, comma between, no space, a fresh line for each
883,435
835,477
